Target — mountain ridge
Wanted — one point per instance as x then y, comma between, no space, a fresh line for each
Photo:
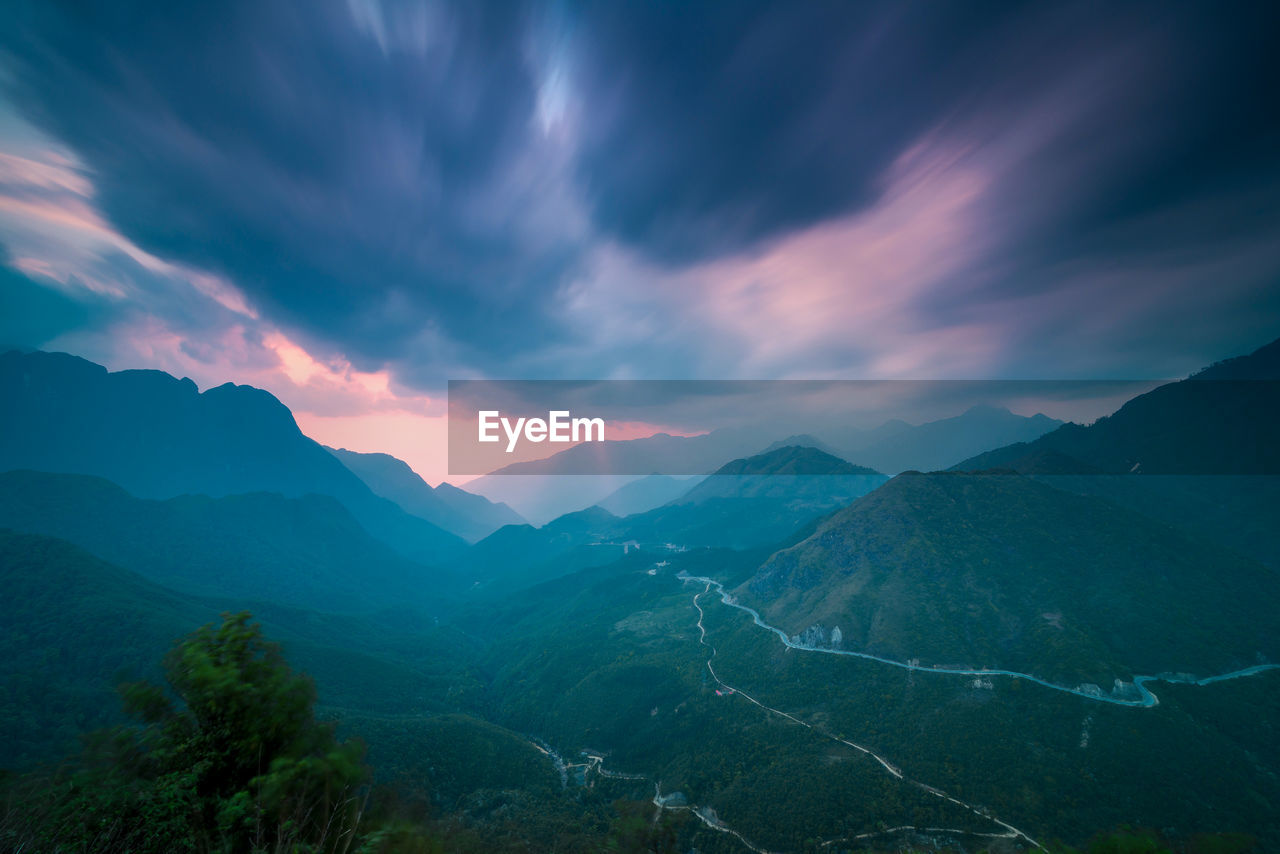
158,436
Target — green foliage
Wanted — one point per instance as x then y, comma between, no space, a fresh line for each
229,759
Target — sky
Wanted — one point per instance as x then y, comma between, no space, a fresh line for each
351,202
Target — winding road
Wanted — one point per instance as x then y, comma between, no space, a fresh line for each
707,816
1147,699
1009,832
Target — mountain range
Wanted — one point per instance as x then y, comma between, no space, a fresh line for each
589,474
1220,421
470,516
159,437
305,552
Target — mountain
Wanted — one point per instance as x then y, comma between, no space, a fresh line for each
794,473
586,474
754,500
307,552
519,556
660,452
803,440
69,614
939,444
646,494
748,502
1221,421
470,516
1005,572
76,625
158,437
541,498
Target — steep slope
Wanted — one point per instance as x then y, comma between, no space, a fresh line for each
1200,454
158,436
755,500
470,516
646,494
519,556
939,444
75,626
307,552
1006,572
793,472
1221,421
804,440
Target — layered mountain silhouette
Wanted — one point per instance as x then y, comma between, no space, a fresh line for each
306,552
519,556
159,437
646,493
1221,421
748,502
897,446
471,517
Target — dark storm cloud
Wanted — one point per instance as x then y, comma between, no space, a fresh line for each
710,126
361,177
433,186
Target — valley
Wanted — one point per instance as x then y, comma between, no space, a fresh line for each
793,654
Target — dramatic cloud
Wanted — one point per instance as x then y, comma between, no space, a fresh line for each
352,201
371,175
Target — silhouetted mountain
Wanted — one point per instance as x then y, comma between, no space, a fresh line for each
793,473
159,437
589,473
646,494
470,516
660,452
307,552
939,444
754,500
540,498
519,556
803,440
1221,421
1005,572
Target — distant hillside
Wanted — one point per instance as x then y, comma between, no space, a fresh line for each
803,440
660,452
158,437
471,517
1222,421
940,444
755,500
1005,572
519,556
793,473
307,552
646,494
747,503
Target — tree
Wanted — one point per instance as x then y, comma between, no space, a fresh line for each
229,759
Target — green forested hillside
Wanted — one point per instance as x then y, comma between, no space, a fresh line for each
1004,572
76,625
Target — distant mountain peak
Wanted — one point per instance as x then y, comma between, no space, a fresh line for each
793,460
